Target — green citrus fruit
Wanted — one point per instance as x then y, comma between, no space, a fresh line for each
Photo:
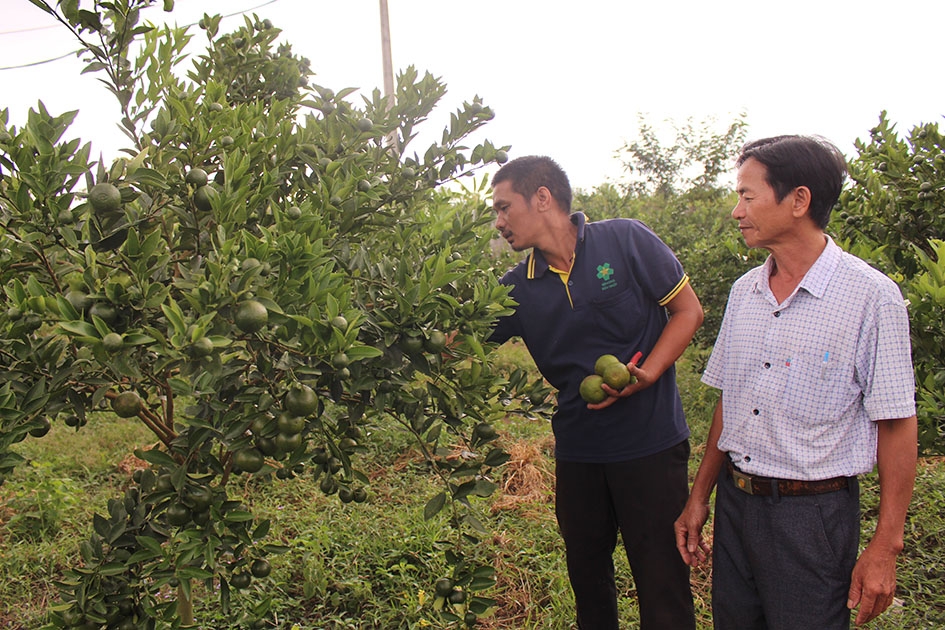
240,580
261,568
43,427
127,405
289,424
360,495
365,124
248,460
501,156
203,197
340,360
113,342
340,322
436,342
78,299
267,446
198,497
617,375
288,443
364,185
346,494
104,311
486,431
196,177
458,596
328,485
411,344
178,514
216,107
443,587
163,483
105,198
202,347
293,212
603,362
251,316
591,389
226,141
301,400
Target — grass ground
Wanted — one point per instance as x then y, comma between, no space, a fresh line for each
372,566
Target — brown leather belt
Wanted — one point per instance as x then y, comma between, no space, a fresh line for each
764,486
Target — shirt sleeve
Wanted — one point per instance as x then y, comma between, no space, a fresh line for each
659,271
885,359
508,326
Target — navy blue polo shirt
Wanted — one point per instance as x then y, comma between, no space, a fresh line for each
622,277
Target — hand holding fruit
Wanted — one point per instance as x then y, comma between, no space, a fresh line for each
611,380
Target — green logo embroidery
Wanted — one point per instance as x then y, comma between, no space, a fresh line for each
605,273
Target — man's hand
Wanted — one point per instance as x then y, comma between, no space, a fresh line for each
873,583
640,381
693,549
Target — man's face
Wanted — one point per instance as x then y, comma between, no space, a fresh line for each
514,216
762,220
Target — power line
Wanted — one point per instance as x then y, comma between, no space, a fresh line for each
29,29
78,50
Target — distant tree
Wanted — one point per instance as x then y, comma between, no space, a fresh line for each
677,191
693,160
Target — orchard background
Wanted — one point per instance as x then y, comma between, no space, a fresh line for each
246,378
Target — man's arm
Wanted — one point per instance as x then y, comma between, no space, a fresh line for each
685,317
688,526
873,583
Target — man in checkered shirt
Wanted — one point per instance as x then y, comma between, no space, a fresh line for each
814,365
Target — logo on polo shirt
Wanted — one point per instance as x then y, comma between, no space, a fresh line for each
605,273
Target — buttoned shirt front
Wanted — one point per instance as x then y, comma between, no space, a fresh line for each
804,381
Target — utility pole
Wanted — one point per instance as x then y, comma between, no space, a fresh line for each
391,137
385,54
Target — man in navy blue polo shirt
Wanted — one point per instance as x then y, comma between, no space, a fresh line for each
588,289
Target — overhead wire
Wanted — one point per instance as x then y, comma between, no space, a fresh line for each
78,50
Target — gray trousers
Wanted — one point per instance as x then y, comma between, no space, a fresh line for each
783,563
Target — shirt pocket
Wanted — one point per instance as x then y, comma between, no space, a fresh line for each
819,389
616,316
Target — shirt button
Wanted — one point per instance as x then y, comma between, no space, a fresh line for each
767,365
777,313
755,412
570,283
747,458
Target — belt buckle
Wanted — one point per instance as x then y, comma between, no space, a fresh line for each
742,481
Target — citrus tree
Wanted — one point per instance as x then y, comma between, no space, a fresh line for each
893,217
265,272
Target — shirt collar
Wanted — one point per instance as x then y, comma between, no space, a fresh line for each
816,279
537,266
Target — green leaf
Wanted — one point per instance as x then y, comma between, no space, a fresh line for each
434,506
156,457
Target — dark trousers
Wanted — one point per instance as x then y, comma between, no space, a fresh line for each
783,563
640,499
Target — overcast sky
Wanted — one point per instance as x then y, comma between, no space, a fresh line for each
565,79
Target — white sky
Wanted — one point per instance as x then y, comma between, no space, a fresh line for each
565,79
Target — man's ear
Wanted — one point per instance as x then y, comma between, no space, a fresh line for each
544,198
801,201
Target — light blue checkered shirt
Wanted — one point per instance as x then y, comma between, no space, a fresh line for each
803,381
